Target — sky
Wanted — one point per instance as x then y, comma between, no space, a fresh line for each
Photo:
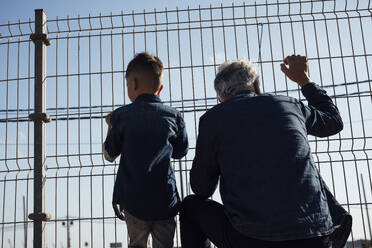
77,143
22,9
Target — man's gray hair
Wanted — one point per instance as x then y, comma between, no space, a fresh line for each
233,76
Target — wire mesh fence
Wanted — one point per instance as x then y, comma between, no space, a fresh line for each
85,80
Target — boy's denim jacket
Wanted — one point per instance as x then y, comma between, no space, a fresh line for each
147,134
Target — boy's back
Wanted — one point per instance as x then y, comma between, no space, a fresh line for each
147,134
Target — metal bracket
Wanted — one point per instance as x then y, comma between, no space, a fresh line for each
40,116
42,37
39,216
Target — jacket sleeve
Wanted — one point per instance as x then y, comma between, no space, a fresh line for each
114,141
322,116
181,143
205,171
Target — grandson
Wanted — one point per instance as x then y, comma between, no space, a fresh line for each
147,134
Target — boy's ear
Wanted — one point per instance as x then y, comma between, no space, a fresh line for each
159,90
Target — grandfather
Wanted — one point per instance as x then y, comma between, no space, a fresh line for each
256,145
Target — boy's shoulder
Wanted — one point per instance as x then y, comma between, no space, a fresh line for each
121,111
171,110
161,107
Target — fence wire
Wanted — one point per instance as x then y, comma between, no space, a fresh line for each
86,64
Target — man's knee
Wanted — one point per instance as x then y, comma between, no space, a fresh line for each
190,203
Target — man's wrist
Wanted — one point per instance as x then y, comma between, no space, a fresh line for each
310,89
304,82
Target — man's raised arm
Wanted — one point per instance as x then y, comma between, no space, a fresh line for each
322,116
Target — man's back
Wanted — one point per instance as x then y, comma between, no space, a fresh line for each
269,184
256,147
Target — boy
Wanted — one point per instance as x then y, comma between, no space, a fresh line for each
147,134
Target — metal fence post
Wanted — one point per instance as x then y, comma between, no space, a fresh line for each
39,117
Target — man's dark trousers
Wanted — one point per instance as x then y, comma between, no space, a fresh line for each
206,218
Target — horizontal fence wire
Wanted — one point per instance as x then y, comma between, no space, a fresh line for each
86,65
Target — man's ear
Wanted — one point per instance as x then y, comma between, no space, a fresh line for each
256,85
159,90
135,83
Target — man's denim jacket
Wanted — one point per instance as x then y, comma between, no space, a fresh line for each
147,134
257,146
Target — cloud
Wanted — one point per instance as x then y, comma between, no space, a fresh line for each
22,136
219,57
21,154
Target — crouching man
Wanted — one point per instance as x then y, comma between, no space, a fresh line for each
256,146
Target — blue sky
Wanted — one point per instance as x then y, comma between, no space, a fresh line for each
22,9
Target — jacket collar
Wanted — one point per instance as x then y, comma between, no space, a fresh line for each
245,92
148,98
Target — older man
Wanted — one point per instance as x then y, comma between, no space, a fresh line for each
256,145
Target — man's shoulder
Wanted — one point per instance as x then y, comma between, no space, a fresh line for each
213,112
228,106
274,97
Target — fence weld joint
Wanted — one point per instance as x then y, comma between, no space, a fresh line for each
39,216
40,117
43,37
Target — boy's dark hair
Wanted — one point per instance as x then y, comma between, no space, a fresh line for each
149,64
